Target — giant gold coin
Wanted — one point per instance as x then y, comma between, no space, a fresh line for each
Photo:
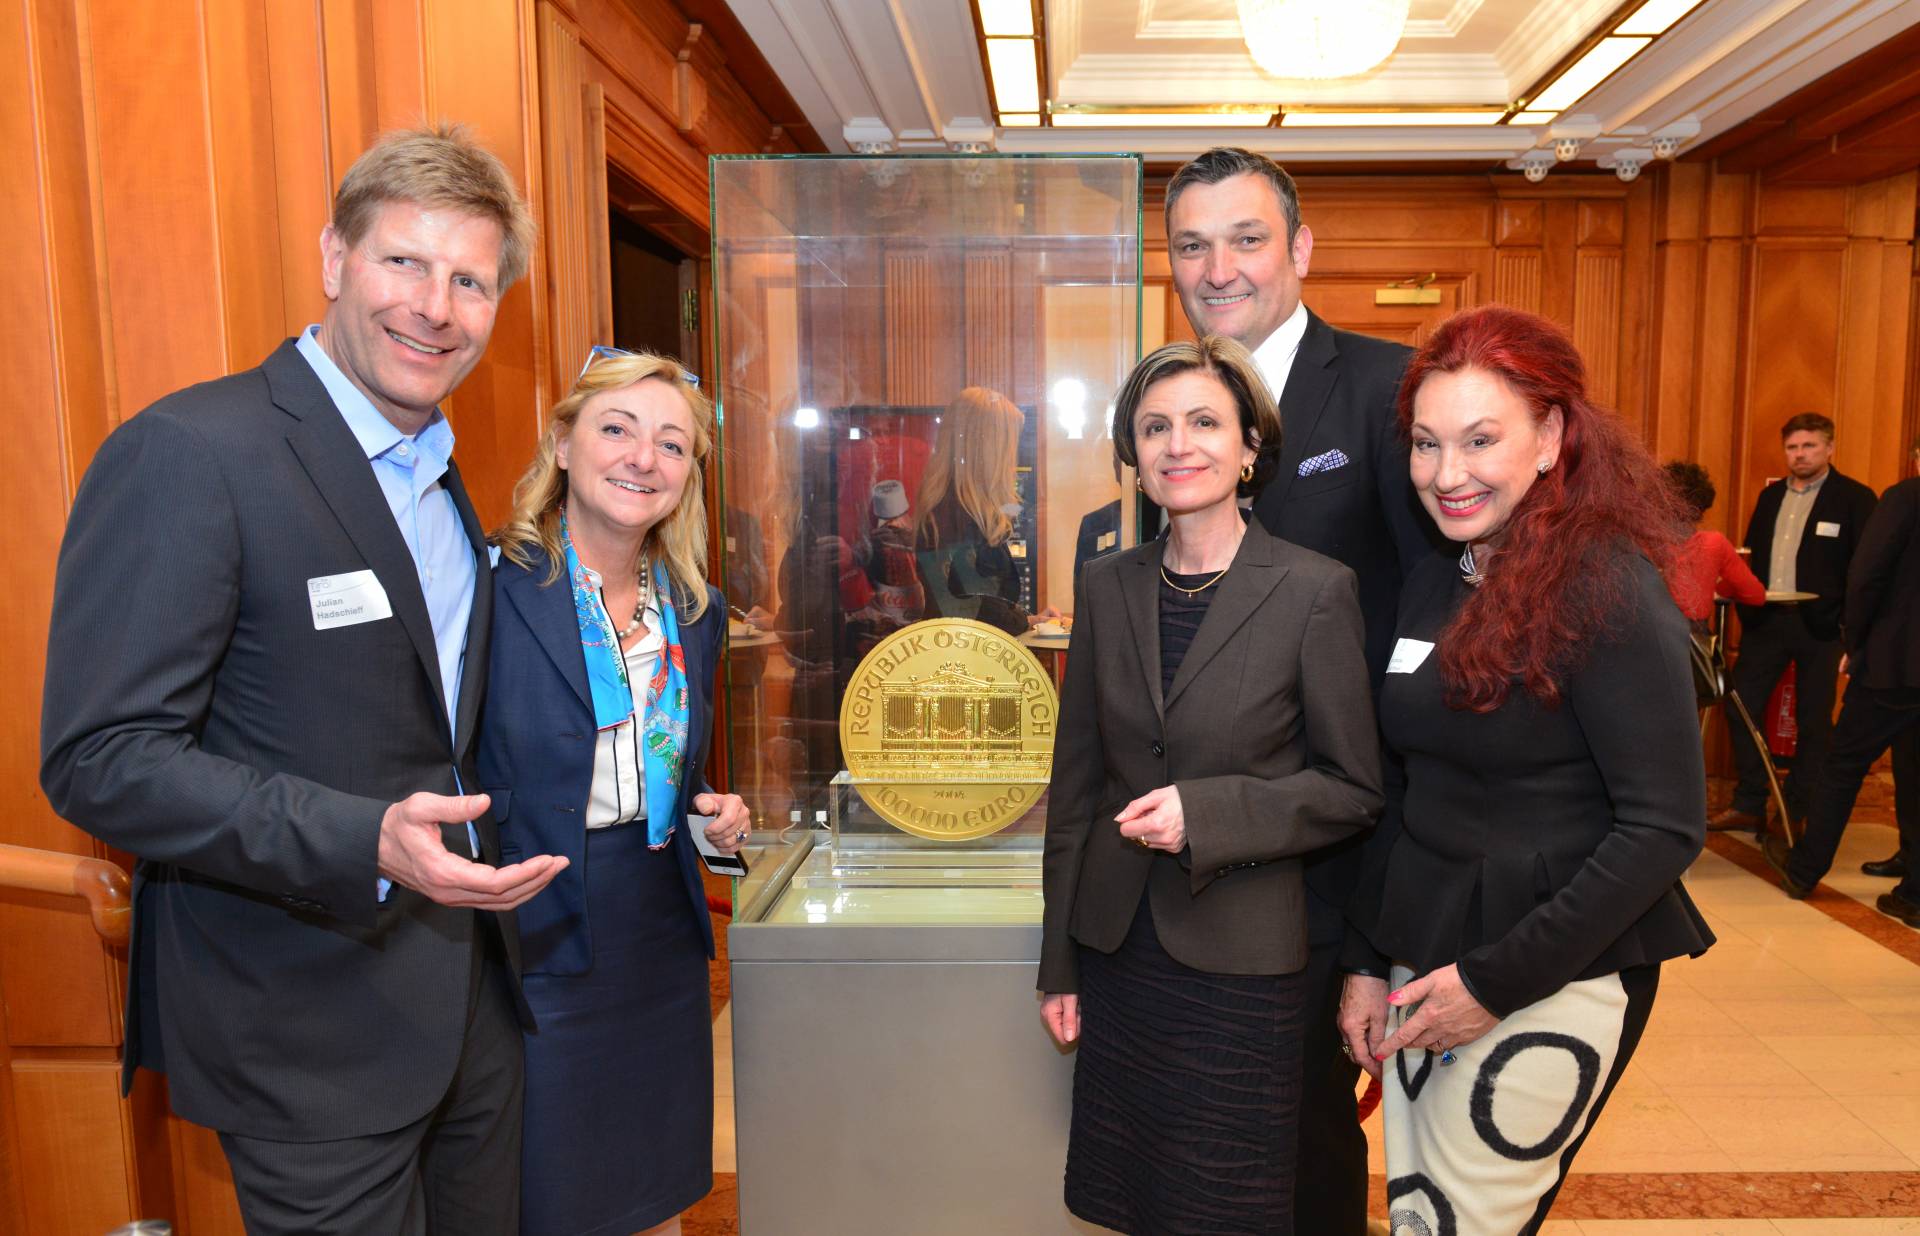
947,728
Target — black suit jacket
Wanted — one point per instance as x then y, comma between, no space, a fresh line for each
1821,565
536,755
1267,730
1340,396
1883,594
194,717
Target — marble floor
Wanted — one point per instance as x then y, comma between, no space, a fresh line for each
1777,1092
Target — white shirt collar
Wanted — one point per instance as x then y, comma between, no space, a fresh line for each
1275,356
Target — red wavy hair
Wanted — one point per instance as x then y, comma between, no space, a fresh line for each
1557,578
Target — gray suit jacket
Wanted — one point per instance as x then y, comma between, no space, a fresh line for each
1268,731
194,717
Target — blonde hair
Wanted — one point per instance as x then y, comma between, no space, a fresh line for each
437,166
679,540
973,462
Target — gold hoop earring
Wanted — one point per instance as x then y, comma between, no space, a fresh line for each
1246,474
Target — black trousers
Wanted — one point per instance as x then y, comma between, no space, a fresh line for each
1765,652
1906,786
1870,722
1330,1189
455,1171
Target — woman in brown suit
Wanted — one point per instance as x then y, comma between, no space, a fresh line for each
1216,725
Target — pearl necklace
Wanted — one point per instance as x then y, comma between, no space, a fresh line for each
639,605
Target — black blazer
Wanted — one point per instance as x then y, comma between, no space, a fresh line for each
194,717
536,754
1267,730
1883,594
1340,396
1535,845
1821,564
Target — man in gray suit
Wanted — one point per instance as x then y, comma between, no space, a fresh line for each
268,651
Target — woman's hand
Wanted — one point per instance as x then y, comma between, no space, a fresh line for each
1049,614
731,822
1061,1012
1363,1020
1448,1015
1156,820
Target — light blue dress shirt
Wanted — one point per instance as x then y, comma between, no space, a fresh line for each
411,471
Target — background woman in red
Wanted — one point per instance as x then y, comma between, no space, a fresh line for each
1520,896
1707,563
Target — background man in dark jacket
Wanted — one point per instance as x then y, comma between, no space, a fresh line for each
1883,696
1803,533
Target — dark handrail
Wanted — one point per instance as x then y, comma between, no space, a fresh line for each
105,886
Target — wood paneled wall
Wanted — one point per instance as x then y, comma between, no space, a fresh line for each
170,170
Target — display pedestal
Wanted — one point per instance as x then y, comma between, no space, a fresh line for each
891,1073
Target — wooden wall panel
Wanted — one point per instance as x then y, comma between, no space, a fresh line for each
990,327
1596,319
576,194
75,1146
156,192
1795,321
1516,278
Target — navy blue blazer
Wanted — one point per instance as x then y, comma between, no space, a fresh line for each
536,754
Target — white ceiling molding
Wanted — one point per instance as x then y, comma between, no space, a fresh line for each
1145,79
1721,66
1173,19
1540,39
911,68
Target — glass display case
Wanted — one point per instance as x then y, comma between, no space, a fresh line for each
917,360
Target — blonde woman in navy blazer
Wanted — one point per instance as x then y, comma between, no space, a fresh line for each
608,522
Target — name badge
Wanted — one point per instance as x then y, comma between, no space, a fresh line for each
347,600
1826,528
1407,655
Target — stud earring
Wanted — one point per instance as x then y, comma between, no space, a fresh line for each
1246,473
1139,485
1544,465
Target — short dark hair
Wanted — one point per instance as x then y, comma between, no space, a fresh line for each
1807,422
1226,162
1227,361
1693,484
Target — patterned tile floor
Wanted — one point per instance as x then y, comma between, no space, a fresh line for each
1777,1092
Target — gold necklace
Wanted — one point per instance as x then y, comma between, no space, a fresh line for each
1191,591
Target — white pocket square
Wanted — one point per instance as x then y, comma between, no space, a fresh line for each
1326,462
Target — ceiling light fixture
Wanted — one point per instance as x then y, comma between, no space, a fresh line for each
1334,120
1020,120
1162,120
1533,118
1587,72
1016,74
1014,18
1656,16
1321,38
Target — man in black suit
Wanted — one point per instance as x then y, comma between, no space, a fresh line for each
1802,535
267,658
1239,251
1906,766
1882,635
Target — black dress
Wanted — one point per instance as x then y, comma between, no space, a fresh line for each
1186,1086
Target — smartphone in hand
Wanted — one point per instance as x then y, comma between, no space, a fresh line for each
718,863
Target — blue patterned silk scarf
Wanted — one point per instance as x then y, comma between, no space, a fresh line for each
663,720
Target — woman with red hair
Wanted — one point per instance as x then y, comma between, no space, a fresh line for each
1521,894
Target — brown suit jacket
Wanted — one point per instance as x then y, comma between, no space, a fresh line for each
1268,731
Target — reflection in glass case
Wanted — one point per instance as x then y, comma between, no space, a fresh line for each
917,360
